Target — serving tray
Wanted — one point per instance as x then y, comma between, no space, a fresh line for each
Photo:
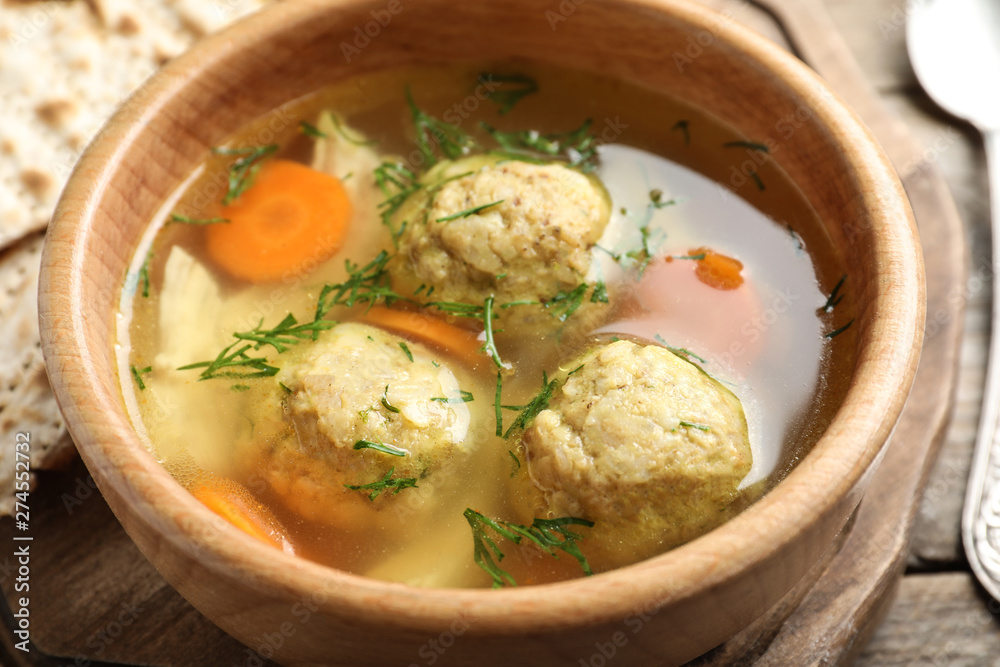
96,601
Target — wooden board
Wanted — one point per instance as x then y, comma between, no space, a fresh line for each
94,598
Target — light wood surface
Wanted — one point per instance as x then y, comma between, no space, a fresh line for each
944,607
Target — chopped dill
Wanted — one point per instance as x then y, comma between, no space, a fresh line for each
515,463
837,332
284,388
682,352
406,350
490,346
137,374
365,284
288,332
386,483
311,130
751,145
684,127
517,87
547,534
380,447
177,217
430,131
144,274
342,131
577,147
757,181
835,296
537,404
398,184
497,406
700,427
249,367
240,387
700,256
600,293
463,397
385,401
656,199
244,168
469,211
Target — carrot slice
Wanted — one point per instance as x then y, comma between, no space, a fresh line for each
290,219
234,503
461,343
718,270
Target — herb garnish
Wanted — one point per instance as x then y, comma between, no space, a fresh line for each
342,131
700,427
469,211
751,145
547,534
700,256
453,141
244,168
388,482
406,350
685,130
380,447
537,404
515,463
835,296
506,99
837,332
757,181
564,304
497,406
144,274
577,147
176,217
656,199
287,332
255,366
464,397
398,184
311,130
137,374
365,284
385,401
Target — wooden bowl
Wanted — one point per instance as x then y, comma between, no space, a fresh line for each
664,610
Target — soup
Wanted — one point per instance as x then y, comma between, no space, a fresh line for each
487,325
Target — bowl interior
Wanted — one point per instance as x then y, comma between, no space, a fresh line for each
701,592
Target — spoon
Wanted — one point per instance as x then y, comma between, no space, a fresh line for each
954,47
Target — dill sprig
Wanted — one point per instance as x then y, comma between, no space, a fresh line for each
516,87
386,483
228,359
177,217
837,332
385,401
547,534
463,397
244,168
137,374
700,427
684,127
380,447
144,274
564,303
835,296
656,199
515,463
288,332
750,145
367,284
469,211
537,404
577,147
398,184
431,132
311,130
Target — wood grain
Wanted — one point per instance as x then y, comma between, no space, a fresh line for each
788,606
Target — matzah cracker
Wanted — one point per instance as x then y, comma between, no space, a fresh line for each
64,69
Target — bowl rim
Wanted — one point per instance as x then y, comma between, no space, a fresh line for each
743,543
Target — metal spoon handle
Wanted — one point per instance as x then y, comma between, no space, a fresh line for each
981,515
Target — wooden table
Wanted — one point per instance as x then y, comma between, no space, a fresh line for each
939,616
